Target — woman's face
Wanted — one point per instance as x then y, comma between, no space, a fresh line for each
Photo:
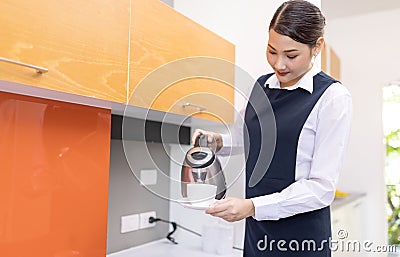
289,59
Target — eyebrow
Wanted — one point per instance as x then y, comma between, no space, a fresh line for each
286,51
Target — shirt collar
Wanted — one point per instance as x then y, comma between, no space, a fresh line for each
306,82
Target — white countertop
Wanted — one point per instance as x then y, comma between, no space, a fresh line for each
352,197
164,247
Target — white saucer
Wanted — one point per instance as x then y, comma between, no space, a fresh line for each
196,206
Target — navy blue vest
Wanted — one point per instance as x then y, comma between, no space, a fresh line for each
288,110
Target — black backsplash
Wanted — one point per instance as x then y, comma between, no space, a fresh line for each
149,131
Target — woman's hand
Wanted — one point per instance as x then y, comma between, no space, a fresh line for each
232,209
211,137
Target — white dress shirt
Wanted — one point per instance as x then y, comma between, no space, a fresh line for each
321,148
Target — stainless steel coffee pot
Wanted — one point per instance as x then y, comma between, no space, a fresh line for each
201,165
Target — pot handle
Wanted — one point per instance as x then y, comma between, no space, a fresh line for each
203,141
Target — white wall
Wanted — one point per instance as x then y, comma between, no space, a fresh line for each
245,24
368,48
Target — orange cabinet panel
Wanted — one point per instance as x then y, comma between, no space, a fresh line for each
330,62
334,64
83,44
324,66
197,98
160,35
54,161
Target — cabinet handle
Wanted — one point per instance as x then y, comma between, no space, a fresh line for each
201,108
38,69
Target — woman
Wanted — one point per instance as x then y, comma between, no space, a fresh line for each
287,209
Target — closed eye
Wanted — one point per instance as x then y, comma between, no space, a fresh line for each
292,57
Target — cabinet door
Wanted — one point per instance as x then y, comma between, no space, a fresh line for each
178,66
83,44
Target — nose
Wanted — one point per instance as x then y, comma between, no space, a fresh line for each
280,64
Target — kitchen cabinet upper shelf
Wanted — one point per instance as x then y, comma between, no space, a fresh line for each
178,66
141,53
84,46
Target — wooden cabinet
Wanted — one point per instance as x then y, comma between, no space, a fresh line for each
330,62
84,45
178,66
139,52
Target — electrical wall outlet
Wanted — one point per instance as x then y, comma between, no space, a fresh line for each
129,223
144,219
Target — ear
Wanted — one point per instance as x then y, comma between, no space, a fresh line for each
318,46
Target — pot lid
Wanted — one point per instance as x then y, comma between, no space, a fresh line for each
199,157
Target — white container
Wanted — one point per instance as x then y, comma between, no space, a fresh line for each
217,238
225,245
210,238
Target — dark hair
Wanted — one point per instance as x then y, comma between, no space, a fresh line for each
300,20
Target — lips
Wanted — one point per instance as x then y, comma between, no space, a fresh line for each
282,74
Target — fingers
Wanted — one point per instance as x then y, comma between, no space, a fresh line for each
232,209
220,213
211,136
213,139
217,207
223,209
196,135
